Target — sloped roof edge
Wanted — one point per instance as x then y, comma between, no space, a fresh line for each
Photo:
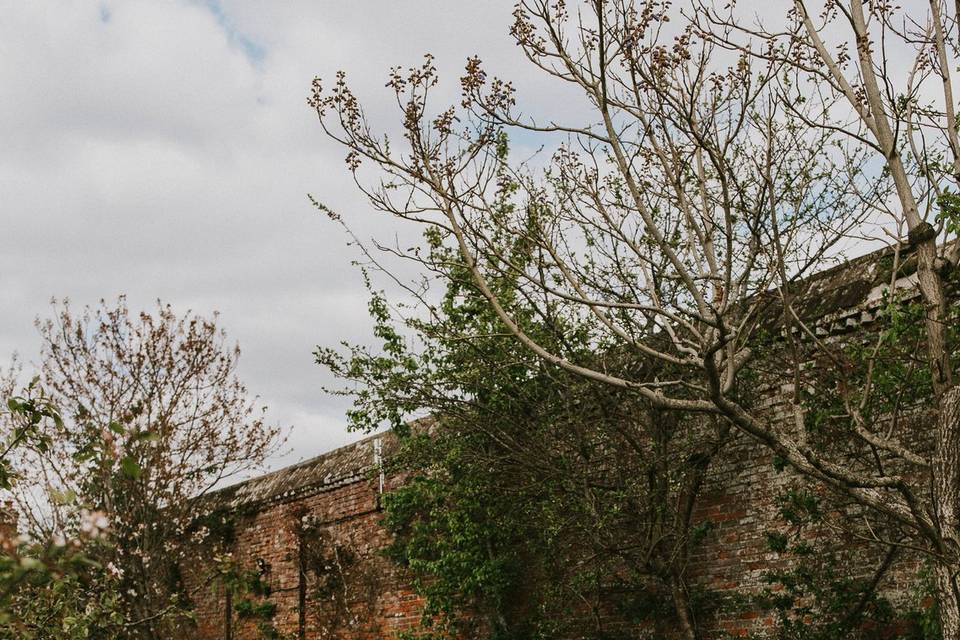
340,467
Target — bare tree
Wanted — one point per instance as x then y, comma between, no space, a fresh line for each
720,164
892,70
154,417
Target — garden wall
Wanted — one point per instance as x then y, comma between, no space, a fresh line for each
290,533
309,535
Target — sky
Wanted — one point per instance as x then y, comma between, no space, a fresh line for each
163,149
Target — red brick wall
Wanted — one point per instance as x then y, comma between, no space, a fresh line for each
360,594
373,599
740,499
357,593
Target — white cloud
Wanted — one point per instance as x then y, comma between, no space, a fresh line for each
164,149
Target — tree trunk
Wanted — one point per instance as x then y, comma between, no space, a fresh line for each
681,604
946,483
948,601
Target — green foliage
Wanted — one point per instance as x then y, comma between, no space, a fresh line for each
776,541
464,545
817,593
949,211
154,416
799,507
924,614
533,498
27,414
884,373
248,608
64,595
250,596
58,588
881,373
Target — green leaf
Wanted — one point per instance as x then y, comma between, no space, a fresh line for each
130,467
63,497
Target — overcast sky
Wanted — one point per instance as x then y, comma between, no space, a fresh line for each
163,149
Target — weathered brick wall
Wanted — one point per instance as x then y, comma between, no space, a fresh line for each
338,585
355,592
740,499
317,548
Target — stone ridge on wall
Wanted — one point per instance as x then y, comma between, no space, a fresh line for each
310,533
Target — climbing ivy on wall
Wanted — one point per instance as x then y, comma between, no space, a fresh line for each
249,595
825,586
343,584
